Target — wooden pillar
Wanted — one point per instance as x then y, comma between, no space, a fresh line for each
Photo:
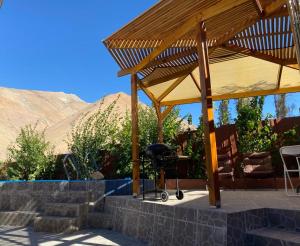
135,137
208,119
160,140
159,124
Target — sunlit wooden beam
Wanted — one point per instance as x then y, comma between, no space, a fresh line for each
191,23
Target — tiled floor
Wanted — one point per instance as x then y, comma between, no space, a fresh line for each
16,236
235,200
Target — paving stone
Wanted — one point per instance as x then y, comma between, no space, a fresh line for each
255,218
16,236
131,223
163,210
184,233
17,218
185,214
64,209
273,237
56,224
211,236
147,207
100,220
163,231
211,218
146,227
118,220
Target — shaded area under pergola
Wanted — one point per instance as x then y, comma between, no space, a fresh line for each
186,51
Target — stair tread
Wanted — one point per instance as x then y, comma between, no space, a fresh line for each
277,233
56,217
66,203
19,212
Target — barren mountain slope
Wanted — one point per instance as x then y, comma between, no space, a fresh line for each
58,133
21,107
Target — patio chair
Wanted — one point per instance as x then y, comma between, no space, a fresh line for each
291,153
258,165
225,169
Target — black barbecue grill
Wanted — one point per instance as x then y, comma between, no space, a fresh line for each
162,158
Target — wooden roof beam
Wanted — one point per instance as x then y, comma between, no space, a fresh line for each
235,96
171,58
259,55
149,83
279,75
274,6
268,11
259,8
166,112
191,23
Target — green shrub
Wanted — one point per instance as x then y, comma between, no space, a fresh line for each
31,156
94,134
253,135
195,150
148,134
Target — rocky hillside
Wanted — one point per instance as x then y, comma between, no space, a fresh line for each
57,112
21,107
58,133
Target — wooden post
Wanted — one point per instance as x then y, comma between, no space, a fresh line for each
160,140
208,119
135,137
159,124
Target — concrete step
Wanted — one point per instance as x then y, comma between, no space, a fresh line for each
100,220
17,218
97,206
65,209
55,224
272,237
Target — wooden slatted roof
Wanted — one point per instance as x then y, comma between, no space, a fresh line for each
160,45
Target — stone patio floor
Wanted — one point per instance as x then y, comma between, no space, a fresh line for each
23,236
233,200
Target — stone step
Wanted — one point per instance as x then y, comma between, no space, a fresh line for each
272,237
100,220
55,224
97,207
65,209
17,218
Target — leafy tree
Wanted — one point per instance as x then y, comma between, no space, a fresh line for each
252,134
280,106
147,135
195,149
94,134
31,156
242,102
223,113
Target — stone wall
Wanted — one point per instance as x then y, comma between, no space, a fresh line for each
159,224
32,196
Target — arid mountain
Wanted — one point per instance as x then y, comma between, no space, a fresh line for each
22,107
57,112
58,133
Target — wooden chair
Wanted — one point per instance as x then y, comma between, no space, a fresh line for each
225,169
258,165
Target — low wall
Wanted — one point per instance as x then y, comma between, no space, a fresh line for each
32,196
242,183
158,224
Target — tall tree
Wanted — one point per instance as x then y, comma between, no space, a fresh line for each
242,102
223,113
280,106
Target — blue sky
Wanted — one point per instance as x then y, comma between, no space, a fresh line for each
55,45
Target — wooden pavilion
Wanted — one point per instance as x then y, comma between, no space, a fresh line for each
186,51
